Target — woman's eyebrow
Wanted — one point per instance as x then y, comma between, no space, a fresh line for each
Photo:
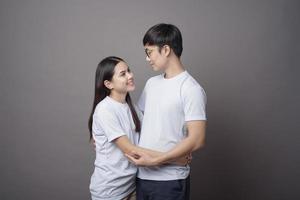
122,71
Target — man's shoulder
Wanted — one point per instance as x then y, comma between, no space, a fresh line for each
192,88
155,78
190,82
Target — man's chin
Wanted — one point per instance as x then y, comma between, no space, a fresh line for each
156,69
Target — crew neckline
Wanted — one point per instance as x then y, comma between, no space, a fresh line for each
116,102
174,77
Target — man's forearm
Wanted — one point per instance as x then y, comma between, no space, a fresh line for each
184,148
194,141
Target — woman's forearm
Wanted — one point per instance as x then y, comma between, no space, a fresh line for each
153,157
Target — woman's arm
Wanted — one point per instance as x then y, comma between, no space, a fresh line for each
132,150
128,148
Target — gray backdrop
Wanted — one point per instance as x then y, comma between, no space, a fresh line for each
244,53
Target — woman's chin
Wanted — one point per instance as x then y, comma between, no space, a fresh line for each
130,88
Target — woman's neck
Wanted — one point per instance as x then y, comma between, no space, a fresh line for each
121,98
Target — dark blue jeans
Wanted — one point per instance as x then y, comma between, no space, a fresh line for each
163,190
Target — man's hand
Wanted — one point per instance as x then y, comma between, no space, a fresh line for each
93,142
185,160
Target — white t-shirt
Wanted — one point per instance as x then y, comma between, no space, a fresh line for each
114,176
167,105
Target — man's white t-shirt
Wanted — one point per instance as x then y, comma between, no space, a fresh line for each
114,176
167,105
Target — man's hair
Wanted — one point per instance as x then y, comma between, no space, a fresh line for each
164,34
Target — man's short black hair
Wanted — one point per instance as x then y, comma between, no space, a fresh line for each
164,34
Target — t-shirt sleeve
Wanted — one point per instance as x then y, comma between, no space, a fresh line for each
109,124
194,103
142,99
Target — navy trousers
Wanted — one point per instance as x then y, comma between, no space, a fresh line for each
163,190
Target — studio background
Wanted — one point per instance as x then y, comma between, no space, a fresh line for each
245,54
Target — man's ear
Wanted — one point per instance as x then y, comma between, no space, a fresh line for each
108,84
167,50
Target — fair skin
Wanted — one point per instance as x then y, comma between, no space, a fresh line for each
122,83
166,60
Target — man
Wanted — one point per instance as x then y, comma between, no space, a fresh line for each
174,118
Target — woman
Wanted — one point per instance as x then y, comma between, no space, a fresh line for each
113,116
114,124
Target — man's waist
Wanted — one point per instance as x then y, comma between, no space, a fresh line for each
164,172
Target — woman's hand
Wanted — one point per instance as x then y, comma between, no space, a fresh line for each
142,159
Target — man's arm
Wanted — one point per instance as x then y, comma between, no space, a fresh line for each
194,140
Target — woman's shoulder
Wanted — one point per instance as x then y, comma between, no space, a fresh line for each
103,106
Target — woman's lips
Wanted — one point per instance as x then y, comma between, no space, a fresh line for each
130,83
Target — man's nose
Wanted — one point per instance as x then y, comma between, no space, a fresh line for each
130,75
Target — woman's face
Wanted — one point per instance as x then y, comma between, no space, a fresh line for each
122,80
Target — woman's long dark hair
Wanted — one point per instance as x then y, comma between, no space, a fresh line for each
105,71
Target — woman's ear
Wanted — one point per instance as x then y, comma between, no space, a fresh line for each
108,84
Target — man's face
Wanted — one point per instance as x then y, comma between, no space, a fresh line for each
156,59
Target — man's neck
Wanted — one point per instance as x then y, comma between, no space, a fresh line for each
174,68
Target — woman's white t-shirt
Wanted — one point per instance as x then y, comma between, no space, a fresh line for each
114,176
